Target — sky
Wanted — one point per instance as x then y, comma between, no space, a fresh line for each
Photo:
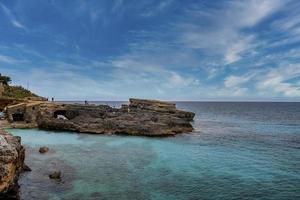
159,49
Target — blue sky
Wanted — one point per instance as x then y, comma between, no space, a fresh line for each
167,49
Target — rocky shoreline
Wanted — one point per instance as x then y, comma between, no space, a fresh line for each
12,155
139,117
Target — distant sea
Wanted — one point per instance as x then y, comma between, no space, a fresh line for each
238,151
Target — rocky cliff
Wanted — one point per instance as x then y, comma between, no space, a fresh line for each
140,117
12,156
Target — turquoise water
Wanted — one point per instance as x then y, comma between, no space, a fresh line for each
237,151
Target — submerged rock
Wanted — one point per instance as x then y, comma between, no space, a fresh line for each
43,149
26,168
12,155
55,175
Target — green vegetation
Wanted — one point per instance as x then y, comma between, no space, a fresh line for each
5,79
17,92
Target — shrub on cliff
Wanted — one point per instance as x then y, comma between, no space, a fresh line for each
5,79
17,92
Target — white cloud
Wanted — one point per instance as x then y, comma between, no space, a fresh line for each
11,17
7,59
178,81
164,4
286,26
268,82
213,71
238,92
224,36
278,81
64,84
290,22
235,81
234,52
117,5
235,85
17,24
226,93
249,13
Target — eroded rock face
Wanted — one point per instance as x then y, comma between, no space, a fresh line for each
140,117
12,155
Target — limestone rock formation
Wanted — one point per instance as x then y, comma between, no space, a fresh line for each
12,155
140,117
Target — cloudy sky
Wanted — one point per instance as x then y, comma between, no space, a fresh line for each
158,49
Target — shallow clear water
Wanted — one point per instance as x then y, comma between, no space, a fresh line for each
237,151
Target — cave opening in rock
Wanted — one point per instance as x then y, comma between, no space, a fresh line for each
18,117
60,113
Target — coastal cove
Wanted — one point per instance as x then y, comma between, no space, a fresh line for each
214,157
150,100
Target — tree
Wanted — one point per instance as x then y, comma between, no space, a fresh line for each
5,79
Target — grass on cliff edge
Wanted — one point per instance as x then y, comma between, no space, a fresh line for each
17,92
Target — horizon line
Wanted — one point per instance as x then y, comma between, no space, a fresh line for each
229,101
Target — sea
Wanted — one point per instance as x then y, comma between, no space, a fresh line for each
238,150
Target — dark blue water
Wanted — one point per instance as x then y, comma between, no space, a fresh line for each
237,151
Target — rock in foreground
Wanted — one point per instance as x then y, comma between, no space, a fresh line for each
12,156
